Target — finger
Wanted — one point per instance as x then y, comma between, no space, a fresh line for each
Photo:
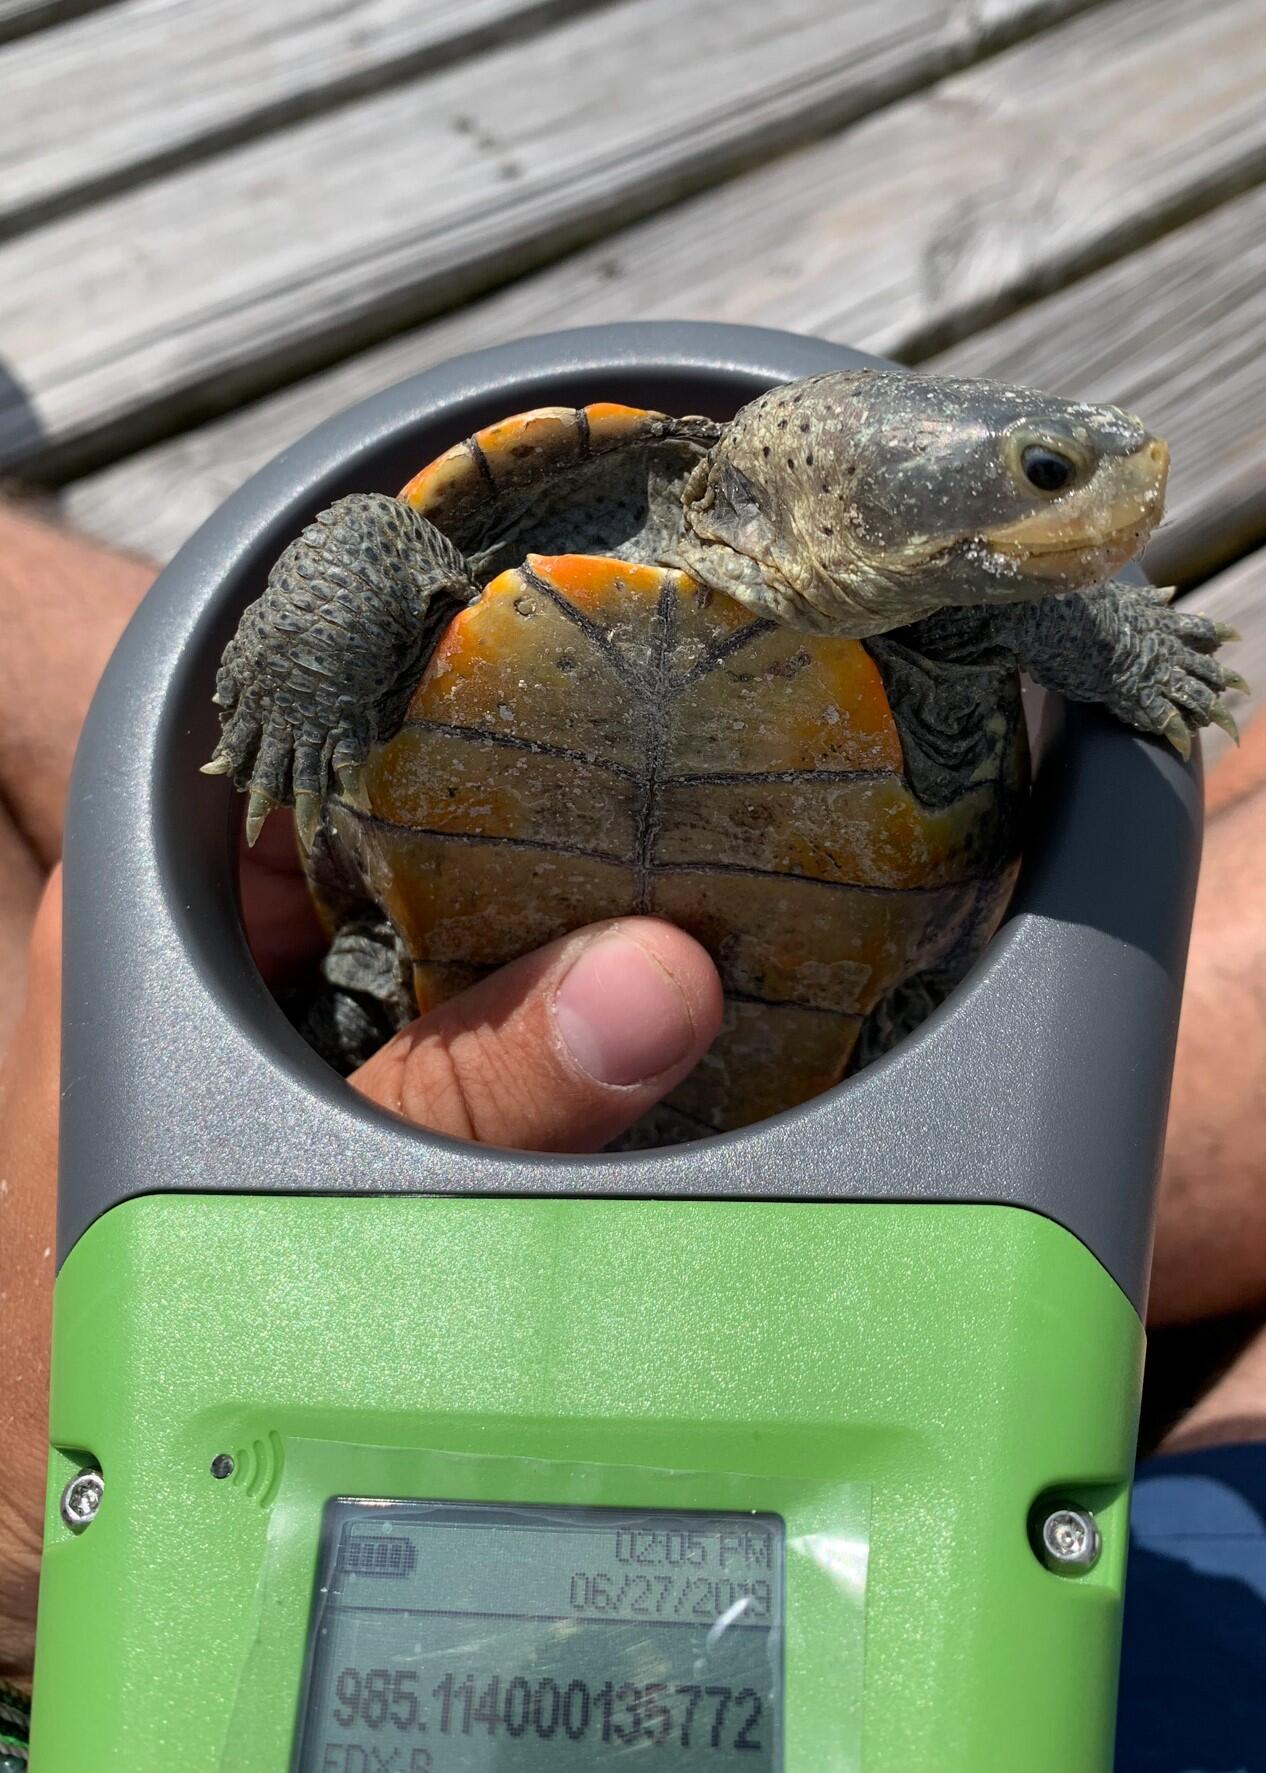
29,1081
561,1050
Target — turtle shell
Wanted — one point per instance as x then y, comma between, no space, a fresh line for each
594,736
599,479
512,453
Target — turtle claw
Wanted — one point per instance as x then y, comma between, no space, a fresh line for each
257,810
1221,716
1225,632
307,817
1235,681
1164,593
219,765
1176,730
351,781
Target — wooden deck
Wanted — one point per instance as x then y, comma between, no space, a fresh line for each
221,220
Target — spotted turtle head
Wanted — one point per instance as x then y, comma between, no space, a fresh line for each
857,502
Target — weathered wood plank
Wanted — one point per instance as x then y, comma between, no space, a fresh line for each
165,81
1177,333
184,295
20,17
1175,329
1238,596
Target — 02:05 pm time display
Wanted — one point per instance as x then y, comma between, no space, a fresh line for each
713,1716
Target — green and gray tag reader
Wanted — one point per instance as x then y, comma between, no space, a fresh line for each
800,1450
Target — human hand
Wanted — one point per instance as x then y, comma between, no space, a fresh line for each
559,1051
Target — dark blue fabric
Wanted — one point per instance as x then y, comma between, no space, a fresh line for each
1193,1661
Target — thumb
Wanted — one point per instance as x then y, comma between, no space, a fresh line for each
561,1050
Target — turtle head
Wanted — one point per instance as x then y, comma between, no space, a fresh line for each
857,502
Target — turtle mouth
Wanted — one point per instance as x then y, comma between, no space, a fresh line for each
1095,528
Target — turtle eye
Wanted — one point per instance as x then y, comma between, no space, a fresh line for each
1047,469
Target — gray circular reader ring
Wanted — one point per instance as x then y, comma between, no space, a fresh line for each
1042,1083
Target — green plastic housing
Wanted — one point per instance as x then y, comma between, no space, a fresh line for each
952,1365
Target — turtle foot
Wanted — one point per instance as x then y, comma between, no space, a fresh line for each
322,664
365,997
277,761
1168,680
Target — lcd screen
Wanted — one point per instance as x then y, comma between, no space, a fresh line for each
473,1637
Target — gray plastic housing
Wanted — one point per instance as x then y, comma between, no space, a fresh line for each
1042,1083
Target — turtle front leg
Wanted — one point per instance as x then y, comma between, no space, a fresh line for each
1125,648
323,663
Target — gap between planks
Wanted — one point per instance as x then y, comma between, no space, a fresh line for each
22,18
186,295
167,82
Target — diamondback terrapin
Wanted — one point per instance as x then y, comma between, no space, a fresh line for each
761,678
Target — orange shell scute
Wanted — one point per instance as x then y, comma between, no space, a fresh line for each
609,421
466,635
552,429
589,579
449,473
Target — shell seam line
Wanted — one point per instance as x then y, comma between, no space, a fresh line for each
653,868
719,654
475,450
656,715
689,779
512,742
620,667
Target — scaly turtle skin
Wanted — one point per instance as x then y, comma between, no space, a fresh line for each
760,678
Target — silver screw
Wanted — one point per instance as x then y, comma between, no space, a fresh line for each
1070,1540
82,1498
